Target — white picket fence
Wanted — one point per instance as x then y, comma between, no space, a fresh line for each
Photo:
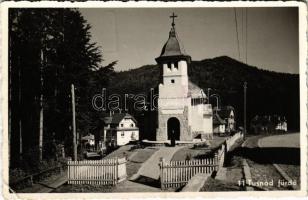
99,172
175,174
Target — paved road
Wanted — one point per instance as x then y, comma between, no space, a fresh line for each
291,140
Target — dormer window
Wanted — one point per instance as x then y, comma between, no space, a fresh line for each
131,125
121,125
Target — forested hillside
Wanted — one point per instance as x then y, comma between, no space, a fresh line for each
268,92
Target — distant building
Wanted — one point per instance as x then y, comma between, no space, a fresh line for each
88,139
219,124
227,113
268,124
120,129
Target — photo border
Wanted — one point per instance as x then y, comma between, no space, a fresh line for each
142,4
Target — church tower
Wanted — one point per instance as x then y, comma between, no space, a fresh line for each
173,90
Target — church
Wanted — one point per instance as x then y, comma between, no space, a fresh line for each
184,112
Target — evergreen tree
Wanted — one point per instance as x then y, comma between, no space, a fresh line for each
50,49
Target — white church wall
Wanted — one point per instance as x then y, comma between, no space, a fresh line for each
201,119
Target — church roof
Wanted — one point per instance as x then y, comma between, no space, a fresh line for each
172,47
217,120
195,91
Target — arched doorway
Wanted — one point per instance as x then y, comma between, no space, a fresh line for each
173,125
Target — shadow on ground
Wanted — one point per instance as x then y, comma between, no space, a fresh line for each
147,181
278,155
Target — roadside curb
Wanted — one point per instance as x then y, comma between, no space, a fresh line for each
247,175
285,176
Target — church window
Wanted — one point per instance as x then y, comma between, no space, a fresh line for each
121,125
122,134
132,125
172,80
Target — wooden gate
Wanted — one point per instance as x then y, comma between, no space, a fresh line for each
100,172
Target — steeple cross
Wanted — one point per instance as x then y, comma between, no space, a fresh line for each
173,16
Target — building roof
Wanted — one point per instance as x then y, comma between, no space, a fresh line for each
116,118
88,137
225,111
218,120
195,91
172,47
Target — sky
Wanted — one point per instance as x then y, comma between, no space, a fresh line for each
135,36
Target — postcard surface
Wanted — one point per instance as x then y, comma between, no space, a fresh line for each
144,99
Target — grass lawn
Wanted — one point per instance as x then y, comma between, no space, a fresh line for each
198,153
66,188
293,171
212,185
134,164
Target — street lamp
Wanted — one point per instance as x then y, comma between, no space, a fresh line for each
208,95
217,98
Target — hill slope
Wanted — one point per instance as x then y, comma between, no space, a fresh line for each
268,92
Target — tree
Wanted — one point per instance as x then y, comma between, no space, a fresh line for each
49,50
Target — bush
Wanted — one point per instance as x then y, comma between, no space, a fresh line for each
188,156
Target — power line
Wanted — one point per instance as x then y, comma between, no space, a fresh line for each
246,34
237,38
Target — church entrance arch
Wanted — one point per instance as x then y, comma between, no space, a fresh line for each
173,125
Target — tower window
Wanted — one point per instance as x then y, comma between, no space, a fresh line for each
172,80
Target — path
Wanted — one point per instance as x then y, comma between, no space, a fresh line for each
147,177
150,168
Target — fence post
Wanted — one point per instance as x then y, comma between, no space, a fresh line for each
161,165
216,161
117,170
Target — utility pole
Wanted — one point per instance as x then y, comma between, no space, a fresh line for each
245,90
41,122
74,122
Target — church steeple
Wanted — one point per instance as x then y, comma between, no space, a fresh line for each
172,49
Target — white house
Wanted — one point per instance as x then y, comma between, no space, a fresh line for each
88,139
120,129
228,115
281,125
219,124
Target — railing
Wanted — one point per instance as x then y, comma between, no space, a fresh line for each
175,174
29,180
231,140
99,172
